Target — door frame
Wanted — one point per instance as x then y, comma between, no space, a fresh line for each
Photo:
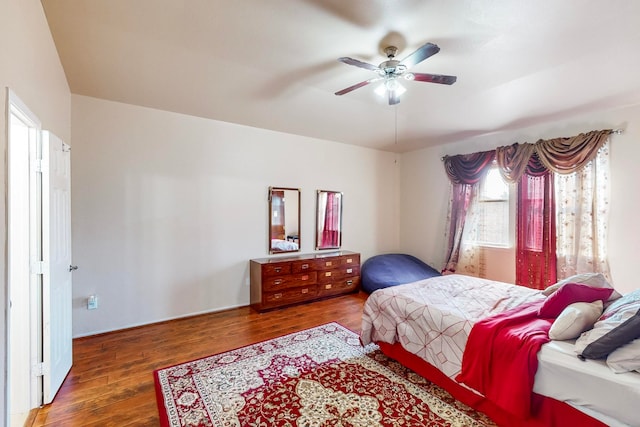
31,347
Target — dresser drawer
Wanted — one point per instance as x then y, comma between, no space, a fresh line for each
303,266
337,287
328,263
290,281
288,296
338,261
276,269
350,260
326,276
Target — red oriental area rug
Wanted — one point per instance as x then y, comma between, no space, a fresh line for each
316,377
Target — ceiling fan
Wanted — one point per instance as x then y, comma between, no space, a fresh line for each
392,70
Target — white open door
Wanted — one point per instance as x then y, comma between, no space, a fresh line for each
57,344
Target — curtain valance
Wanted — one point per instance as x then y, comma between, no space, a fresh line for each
567,155
468,168
559,155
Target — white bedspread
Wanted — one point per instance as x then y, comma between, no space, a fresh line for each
432,318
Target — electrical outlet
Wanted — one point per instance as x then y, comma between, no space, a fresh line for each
92,302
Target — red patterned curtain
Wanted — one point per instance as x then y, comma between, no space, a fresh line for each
331,232
460,202
465,172
536,229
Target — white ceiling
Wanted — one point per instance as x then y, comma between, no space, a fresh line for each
273,64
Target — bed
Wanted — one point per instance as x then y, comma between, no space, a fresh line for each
280,245
426,326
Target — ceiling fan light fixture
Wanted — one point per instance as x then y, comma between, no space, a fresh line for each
381,90
390,85
393,85
399,90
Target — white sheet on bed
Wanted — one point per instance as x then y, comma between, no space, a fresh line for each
590,385
432,318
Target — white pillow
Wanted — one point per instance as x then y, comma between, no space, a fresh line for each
625,358
575,319
596,280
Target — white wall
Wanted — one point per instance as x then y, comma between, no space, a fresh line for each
31,68
168,209
424,189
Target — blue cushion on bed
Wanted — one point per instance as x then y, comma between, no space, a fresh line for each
382,271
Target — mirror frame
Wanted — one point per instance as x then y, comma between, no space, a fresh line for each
321,207
288,242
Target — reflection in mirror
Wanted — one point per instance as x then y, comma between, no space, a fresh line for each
329,220
284,220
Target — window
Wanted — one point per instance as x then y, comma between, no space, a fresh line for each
493,210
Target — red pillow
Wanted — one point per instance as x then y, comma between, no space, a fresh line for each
568,294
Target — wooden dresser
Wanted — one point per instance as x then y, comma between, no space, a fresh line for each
277,282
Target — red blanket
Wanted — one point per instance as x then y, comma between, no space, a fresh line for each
501,357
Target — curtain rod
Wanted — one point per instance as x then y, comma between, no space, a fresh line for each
616,131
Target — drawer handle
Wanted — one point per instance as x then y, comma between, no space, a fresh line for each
349,270
349,282
277,282
278,269
276,296
349,260
328,264
329,286
304,291
305,277
327,274
305,266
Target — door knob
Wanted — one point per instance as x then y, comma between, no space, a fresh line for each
73,267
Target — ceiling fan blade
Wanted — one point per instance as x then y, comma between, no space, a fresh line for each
355,62
357,86
422,53
434,78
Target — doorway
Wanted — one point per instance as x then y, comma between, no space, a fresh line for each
23,243
39,351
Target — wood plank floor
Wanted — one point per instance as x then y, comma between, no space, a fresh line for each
111,381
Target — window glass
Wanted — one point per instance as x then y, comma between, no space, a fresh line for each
493,186
493,210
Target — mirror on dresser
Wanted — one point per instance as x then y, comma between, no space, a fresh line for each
284,220
328,220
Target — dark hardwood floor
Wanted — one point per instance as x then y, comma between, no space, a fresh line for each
111,381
